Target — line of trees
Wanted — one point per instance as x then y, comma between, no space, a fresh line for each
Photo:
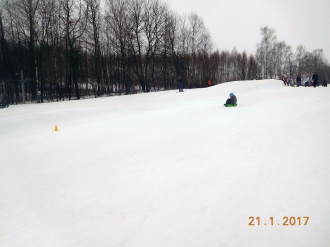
68,49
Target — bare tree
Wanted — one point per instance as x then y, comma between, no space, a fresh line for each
265,51
94,28
169,51
196,30
252,68
300,52
155,16
74,17
120,24
242,63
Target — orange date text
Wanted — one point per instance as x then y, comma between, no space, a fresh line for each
286,221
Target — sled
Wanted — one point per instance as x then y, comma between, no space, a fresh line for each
230,105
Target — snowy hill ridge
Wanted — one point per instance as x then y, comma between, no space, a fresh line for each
168,169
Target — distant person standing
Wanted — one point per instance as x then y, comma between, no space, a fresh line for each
180,84
285,80
315,79
298,81
38,97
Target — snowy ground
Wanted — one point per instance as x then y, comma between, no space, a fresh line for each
168,169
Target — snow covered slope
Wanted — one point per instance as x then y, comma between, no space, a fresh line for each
169,169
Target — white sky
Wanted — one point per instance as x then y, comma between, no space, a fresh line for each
237,23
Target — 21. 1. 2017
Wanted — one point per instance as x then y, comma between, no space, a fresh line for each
286,221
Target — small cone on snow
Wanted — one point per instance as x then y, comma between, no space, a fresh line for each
56,129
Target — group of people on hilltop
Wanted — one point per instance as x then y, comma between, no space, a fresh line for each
309,82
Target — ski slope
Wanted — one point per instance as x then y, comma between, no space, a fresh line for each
169,169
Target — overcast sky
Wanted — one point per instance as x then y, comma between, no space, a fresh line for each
237,23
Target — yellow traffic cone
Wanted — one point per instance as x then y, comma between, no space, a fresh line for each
56,129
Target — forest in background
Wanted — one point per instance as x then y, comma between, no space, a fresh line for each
73,49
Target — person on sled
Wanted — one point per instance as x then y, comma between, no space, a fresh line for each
307,81
232,100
